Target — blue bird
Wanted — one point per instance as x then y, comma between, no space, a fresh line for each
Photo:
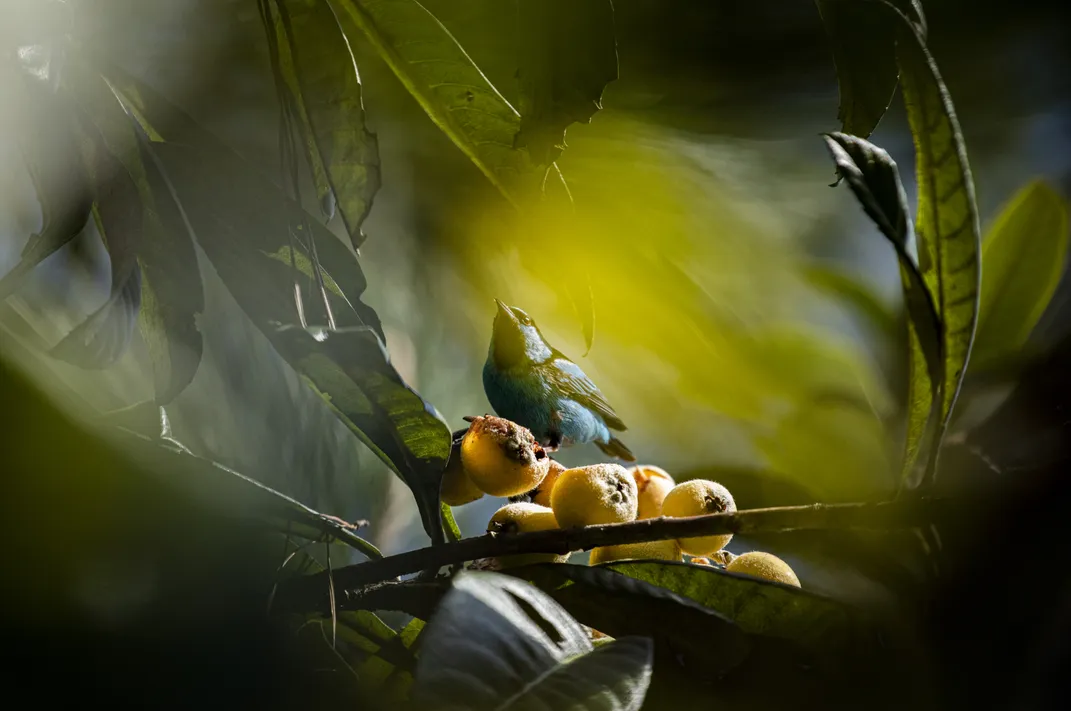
531,383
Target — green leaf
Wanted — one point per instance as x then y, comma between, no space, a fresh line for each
53,160
865,57
258,246
1023,257
567,56
496,642
873,177
947,221
619,605
321,75
756,606
450,88
234,494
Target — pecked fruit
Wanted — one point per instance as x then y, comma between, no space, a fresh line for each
588,496
696,498
652,483
763,565
656,550
501,457
524,517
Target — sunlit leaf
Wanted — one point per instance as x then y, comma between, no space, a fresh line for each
567,56
1023,258
875,180
947,221
448,86
756,606
322,78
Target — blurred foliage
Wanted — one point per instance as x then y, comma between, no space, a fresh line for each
1024,254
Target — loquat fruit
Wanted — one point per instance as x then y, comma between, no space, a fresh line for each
656,550
764,565
652,483
541,494
457,488
599,493
696,498
501,457
524,517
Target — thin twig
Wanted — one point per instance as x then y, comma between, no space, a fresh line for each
307,593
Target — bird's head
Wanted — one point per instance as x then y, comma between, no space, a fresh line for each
515,339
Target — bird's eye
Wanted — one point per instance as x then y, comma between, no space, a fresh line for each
525,320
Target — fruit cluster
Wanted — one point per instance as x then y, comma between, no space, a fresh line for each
498,457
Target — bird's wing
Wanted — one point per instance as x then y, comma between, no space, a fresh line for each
570,379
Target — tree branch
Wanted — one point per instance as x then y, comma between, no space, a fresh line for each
311,592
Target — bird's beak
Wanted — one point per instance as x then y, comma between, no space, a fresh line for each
504,310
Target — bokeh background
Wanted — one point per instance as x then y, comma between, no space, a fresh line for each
747,315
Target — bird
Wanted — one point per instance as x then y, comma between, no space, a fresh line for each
530,382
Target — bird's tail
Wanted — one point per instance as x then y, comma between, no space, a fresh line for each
616,448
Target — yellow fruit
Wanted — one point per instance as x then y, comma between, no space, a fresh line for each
700,561
656,550
524,517
764,565
457,488
696,498
587,496
653,484
541,494
501,457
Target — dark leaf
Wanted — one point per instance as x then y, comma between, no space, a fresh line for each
864,52
612,677
245,237
875,180
493,641
45,135
321,75
141,225
259,247
567,56
697,637
1023,258
172,294
103,337
949,245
